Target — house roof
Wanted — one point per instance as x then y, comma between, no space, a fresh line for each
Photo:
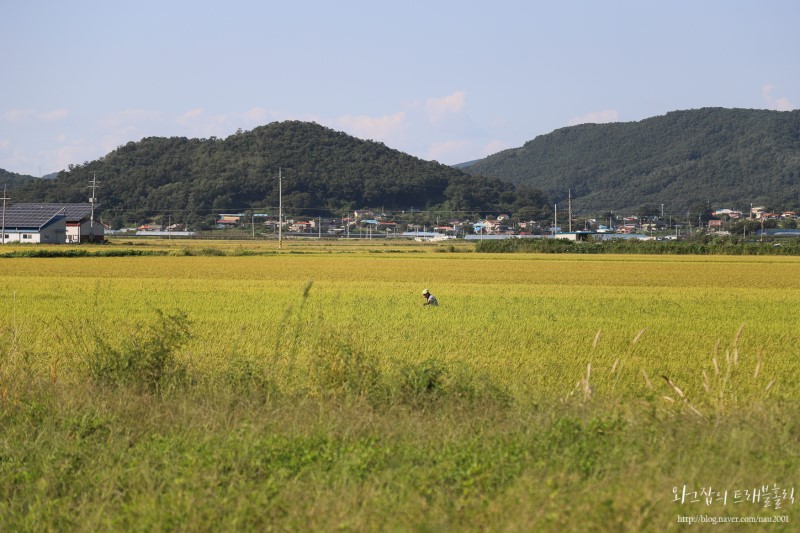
33,215
36,215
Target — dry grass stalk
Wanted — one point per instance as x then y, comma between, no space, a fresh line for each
647,380
614,366
669,399
53,373
695,411
738,333
680,393
716,365
706,382
728,366
769,385
596,339
736,344
638,336
583,384
758,363
587,387
674,387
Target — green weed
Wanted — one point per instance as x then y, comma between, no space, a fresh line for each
148,357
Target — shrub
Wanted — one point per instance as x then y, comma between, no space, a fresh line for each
421,382
342,370
147,359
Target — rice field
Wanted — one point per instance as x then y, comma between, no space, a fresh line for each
316,392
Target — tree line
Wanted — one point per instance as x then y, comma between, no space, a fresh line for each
323,172
684,159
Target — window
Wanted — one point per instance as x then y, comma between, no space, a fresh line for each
26,235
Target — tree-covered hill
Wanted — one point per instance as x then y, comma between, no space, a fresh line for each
12,180
722,157
323,171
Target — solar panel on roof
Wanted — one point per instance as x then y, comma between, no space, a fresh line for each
28,216
76,212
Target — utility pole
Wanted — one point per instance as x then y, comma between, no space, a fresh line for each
4,213
280,209
569,211
555,219
92,201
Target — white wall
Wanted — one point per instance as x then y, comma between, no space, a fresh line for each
56,233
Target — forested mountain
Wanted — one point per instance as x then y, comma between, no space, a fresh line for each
13,180
323,171
722,157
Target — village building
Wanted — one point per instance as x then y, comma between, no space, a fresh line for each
730,213
229,220
56,223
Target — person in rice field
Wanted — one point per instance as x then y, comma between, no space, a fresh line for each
430,299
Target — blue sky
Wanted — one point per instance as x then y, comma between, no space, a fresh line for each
449,81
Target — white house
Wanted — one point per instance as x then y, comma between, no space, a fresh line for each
81,226
51,224
33,223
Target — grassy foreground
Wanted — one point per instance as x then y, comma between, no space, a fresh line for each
309,390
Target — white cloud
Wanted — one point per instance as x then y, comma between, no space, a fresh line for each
387,128
191,115
16,115
596,117
258,115
134,124
499,122
778,104
128,125
128,116
438,108
52,116
197,123
67,155
19,114
493,147
451,152
72,151
4,144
